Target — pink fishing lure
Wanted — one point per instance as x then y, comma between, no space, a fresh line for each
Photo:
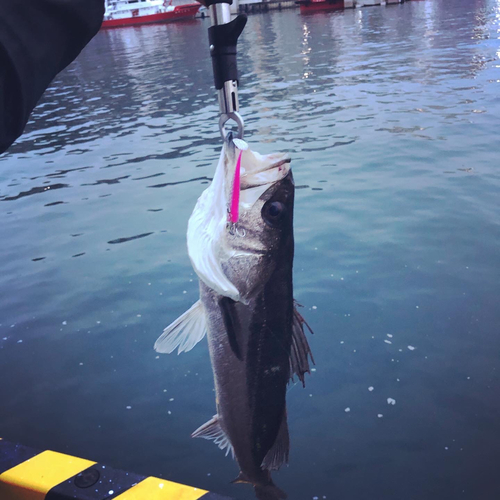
234,210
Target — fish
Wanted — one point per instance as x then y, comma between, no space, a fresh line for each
241,244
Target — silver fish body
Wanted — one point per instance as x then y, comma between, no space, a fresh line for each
255,334
250,343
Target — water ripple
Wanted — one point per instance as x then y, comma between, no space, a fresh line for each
390,115
35,190
130,238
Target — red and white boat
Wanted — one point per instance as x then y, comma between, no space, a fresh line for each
131,12
307,6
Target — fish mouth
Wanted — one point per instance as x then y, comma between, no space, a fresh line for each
269,173
280,163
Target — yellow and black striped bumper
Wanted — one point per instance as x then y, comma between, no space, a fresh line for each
28,474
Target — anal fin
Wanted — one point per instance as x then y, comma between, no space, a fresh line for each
278,454
300,351
185,332
212,430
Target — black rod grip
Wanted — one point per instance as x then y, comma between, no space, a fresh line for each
223,39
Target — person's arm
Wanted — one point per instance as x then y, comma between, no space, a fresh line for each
38,38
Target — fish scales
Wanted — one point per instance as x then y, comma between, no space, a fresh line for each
252,411
255,335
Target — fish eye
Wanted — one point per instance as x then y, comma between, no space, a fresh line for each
272,212
275,209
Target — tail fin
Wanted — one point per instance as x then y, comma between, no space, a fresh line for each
269,492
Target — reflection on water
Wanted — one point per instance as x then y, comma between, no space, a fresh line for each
34,190
390,116
164,184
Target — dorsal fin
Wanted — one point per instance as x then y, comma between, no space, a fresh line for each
300,350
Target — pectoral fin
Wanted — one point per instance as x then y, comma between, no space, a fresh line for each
212,430
185,332
231,323
300,350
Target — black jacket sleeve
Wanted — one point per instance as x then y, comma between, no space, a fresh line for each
38,38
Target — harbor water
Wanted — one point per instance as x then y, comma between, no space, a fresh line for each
390,115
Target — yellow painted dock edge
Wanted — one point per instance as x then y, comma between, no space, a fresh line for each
28,474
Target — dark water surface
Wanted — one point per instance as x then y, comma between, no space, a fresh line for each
391,117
